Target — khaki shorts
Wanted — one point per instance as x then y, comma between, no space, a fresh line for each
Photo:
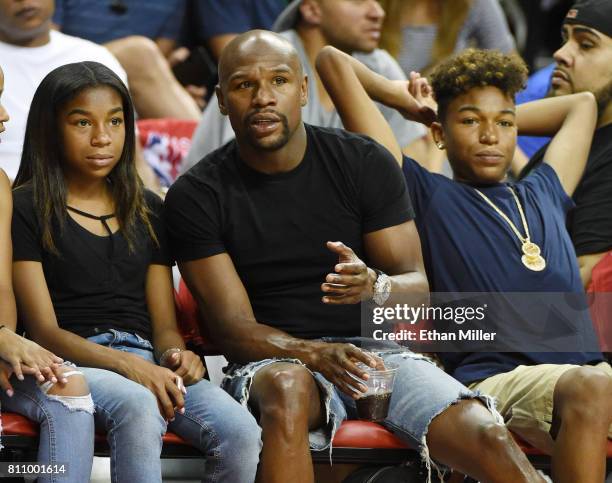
525,399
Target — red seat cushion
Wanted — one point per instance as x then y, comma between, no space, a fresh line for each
363,434
188,320
351,434
187,316
18,425
15,424
600,298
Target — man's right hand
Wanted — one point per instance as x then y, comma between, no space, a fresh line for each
160,381
338,363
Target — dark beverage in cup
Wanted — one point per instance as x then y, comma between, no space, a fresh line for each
374,407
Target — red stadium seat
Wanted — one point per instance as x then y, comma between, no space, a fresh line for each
355,441
17,428
165,143
600,297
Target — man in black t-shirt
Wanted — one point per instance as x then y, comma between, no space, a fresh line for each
251,226
584,63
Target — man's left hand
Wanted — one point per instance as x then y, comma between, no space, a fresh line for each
187,365
351,282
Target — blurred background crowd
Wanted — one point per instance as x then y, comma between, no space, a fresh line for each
168,50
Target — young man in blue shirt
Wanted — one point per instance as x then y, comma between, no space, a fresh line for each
482,234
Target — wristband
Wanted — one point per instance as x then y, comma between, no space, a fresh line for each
167,353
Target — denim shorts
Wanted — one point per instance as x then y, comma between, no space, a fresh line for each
421,392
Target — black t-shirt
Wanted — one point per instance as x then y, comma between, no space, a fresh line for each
590,222
275,227
95,283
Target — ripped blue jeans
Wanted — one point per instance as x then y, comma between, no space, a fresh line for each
421,392
66,426
226,434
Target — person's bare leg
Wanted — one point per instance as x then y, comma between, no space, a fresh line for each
75,387
467,438
155,90
582,415
288,402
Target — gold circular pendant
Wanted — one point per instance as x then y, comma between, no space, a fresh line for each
530,249
534,262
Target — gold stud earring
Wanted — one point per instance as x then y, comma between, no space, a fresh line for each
440,145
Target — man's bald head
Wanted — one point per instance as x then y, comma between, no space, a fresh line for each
262,90
256,45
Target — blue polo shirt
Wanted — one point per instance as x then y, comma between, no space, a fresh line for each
97,22
219,17
468,247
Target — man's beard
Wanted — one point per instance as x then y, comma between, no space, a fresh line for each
278,143
603,97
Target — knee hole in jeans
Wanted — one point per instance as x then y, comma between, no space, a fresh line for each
76,386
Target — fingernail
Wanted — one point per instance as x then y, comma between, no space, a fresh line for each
9,392
65,380
182,411
20,377
338,268
171,420
54,379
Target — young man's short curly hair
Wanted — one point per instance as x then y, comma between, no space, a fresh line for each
476,68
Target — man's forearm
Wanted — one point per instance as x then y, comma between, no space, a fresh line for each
411,287
334,65
253,341
409,283
546,116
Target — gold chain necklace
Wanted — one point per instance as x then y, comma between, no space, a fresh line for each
532,257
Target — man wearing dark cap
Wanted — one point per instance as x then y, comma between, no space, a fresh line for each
584,63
